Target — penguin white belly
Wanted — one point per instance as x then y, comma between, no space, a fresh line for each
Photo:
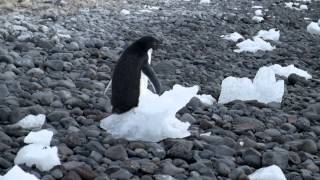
144,78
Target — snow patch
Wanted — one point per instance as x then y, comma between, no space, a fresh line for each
271,172
16,173
31,121
254,45
264,87
42,137
154,118
313,28
233,37
272,34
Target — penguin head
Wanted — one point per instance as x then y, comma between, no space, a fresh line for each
149,42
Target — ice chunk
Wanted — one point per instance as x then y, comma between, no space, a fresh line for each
254,46
303,7
257,7
44,157
264,88
154,118
16,173
286,71
145,11
125,12
206,99
32,121
205,1
313,28
257,18
289,5
272,34
42,137
151,7
233,37
271,172
258,12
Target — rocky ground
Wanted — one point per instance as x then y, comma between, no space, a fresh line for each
57,60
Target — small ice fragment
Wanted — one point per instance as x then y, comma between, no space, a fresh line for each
272,34
31,121
154,7
289,5
313,28
16,173
206,99
145,11
254,45
125,12
257,19
233,37
257,7
42,137
290,69
271,172
303,7
258,12
206,134
205,1
44,157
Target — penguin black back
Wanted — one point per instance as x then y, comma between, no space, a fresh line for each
127,74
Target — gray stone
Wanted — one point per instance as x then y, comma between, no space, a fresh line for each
222,168
6,58
252,158
148,167
56,173
117,152
56,65
309,146
3,91
58,115
181,149
24,62
71,176
186,117
121,174
278,157
170,169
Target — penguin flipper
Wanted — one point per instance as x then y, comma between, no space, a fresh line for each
149,72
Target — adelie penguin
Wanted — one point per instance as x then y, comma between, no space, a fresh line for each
131,74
